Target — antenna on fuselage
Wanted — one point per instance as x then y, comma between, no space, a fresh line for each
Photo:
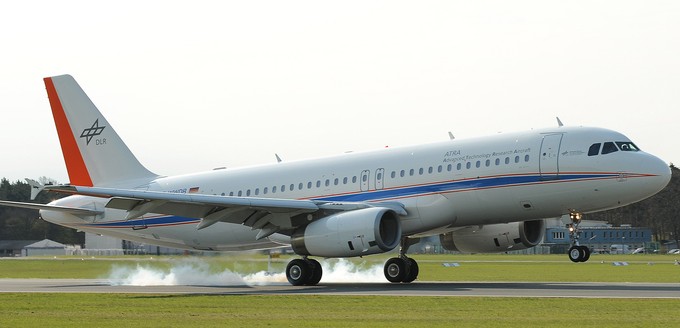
278,159
559,122
451,136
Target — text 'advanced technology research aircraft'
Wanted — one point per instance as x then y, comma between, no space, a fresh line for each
486,194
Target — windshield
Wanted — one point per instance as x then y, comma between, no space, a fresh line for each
627,146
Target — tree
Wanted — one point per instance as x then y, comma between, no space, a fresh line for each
19,223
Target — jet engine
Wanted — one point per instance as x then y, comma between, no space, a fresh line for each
346,234
494,238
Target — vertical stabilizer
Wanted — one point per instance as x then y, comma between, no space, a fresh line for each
94,153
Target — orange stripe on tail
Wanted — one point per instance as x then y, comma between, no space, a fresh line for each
75,165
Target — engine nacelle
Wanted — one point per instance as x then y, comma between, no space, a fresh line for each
494,238
346,234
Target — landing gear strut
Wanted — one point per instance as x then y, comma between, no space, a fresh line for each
304,271
402,269
577,253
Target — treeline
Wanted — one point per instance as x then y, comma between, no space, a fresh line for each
25,224
659,212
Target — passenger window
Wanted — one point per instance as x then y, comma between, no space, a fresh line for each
478,164
450,167
292,187
273,190
231,193
411,172
393,175
516,159
265,190
240,193
488,163
468,165
594,149
283,188
420,171
354,179
429,170
257,191
609,147
328,181
309,185
248,192
459,166
507,160
526,158
402,173
318,183
498,161
440,169
344,180
300,186
337,181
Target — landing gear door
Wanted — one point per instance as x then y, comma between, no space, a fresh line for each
550,152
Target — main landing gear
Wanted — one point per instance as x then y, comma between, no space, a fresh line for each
577,253
402,269
304,271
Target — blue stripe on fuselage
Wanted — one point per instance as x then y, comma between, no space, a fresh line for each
394,193
460,185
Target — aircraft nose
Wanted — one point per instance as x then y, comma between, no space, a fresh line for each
660,172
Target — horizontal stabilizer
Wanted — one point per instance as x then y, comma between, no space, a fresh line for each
71,210
36,187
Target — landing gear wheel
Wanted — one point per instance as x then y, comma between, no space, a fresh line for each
395,269
317,272
412,274
575,253
579,253
298,272
586,253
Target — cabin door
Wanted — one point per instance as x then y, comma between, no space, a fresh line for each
549,164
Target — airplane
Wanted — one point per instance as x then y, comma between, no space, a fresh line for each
488,194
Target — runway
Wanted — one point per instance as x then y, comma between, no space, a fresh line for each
442,289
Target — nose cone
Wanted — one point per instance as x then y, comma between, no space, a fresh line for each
659,172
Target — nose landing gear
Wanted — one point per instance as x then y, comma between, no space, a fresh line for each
577,253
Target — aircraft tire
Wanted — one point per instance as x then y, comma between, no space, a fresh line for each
575,253
317,272
298,272
395,270
413,270
586,253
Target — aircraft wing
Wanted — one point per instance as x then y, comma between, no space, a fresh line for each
72,210
271,215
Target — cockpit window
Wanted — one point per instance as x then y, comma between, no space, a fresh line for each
627,146
594,149
609,147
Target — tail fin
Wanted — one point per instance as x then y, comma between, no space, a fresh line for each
94,153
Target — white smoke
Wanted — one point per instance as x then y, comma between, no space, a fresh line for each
197,272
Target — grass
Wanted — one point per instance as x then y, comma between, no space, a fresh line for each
535,268
106,310
135,310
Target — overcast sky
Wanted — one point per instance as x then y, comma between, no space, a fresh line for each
193,85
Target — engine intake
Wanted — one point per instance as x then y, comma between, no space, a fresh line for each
355,233
494,238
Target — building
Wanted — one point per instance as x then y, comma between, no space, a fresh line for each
12,248
601,238
44,247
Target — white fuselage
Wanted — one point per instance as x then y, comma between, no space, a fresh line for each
442,186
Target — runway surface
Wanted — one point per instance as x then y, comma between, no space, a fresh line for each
450,289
